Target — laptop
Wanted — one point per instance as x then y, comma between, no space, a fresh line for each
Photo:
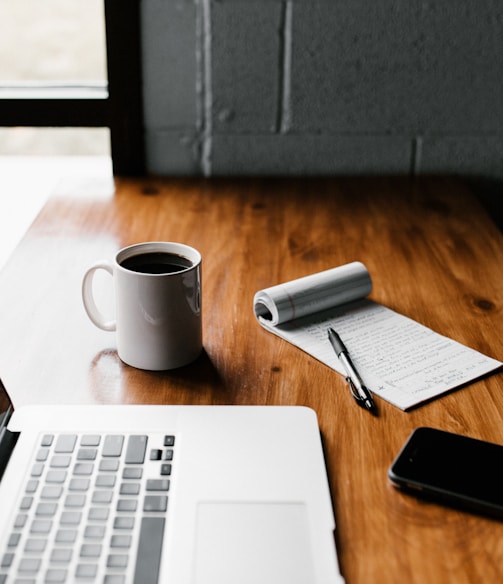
164,494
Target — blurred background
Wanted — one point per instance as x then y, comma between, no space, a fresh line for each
52,41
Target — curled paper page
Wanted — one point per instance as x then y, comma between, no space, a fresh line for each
312,294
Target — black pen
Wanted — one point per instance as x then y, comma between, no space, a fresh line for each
358,390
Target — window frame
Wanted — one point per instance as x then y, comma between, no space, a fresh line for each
117,104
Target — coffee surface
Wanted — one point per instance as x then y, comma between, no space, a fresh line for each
157,262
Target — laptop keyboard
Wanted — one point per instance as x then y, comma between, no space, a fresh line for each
93,509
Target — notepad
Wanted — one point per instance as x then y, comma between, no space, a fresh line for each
399,359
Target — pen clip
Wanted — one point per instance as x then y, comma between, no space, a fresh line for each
354,391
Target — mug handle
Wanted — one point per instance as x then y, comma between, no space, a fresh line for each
93,313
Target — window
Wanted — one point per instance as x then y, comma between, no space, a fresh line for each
48,100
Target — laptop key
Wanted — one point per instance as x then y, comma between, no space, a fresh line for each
120,541
155,503
98,514
86,571
20,521
157,485
70,518
87,454
169,440
65,443
26,503
61,555
135,453
105,481
55,576
41,526
75,500
29,565
129,489
79,484
90,440
13,540
56,476
7,560
104,497
32,486
37,469
117,561
113,445
47,440
94,532
35,545
148,559
46,509
42,455
155,454
60,461
83,468
132,472
124,522
109,464
127,505
66,536
90,550
51,492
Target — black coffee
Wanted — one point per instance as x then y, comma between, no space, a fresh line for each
156,262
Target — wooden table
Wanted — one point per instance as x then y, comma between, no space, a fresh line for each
434,255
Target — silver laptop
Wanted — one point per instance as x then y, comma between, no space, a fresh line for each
175,494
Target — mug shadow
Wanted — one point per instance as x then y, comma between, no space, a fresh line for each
113,381
200,373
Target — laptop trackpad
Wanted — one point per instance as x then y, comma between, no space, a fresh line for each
245,543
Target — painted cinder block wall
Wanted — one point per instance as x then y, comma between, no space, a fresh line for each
323,87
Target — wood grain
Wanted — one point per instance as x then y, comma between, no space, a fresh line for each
434,255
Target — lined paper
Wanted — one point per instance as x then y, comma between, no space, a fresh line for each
399,359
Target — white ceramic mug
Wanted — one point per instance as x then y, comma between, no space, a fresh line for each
157,304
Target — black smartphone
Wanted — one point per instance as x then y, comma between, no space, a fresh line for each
457,470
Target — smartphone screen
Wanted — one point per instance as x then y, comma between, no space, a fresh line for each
451,468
